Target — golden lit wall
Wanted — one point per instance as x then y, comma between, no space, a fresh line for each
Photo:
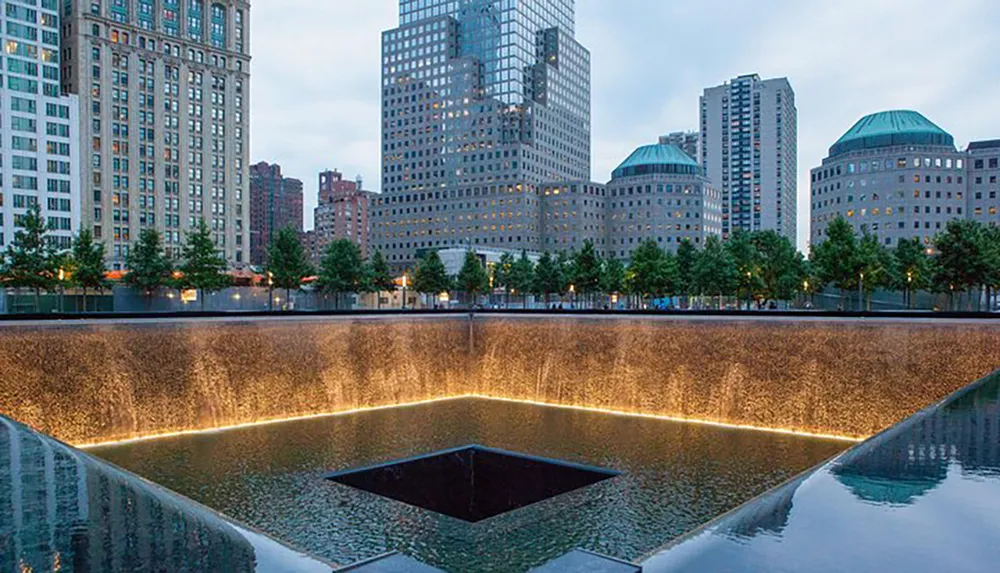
85,382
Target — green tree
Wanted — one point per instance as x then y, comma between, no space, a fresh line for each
835,260
914,269
431,278
380,277
31,260
549,277
148,267
652,272
613,276
342,270
502,274
204,268
472,279
964,256
89,270
781,269
522,276
875,267
286,262
715,271
746,258
687,257
587,271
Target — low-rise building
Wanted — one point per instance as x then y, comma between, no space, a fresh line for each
660,193
895,174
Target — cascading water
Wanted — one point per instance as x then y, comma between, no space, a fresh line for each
98,382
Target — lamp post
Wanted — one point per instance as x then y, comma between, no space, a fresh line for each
749,289
62,290
404,291
805,292
909,289
572,296
861,293
270,291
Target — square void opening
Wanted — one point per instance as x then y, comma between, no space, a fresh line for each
472,483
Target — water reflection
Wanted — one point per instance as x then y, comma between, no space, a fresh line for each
922,497
914,459
674,477
62,511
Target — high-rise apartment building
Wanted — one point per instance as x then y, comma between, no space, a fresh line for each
343,212
749,149
482,102
164,89
275,204
39,151
686,141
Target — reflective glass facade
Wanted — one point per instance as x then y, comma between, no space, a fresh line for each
482,101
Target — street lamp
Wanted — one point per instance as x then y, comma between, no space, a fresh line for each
909,289
62,290
270,291
861,293
405,284
749,289
572,296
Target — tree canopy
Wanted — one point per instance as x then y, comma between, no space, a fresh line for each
148,267
472,279
203,267
431,277
287,265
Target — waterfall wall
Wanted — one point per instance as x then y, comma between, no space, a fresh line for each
96,381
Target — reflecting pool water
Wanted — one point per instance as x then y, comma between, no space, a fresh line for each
674,477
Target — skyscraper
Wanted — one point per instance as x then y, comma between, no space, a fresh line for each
482,102
164,88
39,154
749,149
275,204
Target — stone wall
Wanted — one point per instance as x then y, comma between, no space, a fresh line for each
93,382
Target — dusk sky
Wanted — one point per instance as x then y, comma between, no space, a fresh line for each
316,73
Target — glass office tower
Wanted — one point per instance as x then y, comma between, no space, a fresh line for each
482,102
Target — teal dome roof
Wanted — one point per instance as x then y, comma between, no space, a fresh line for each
660,158
891,128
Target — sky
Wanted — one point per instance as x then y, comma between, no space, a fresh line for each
316,73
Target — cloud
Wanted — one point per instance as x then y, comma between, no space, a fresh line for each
316,72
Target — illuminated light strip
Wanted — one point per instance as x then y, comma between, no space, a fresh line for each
268,422
663,417
591,409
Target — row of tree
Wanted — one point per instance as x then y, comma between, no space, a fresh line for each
759,267
756,267
33,262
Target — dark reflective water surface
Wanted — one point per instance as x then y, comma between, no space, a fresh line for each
923,497
675,477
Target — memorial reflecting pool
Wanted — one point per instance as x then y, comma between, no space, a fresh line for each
674,477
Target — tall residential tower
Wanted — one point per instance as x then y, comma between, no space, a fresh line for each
749,149
482,102
275,204
164,90
39,151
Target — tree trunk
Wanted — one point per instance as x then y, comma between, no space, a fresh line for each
201,294
84,300
38,300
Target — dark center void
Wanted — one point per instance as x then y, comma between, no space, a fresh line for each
472,483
